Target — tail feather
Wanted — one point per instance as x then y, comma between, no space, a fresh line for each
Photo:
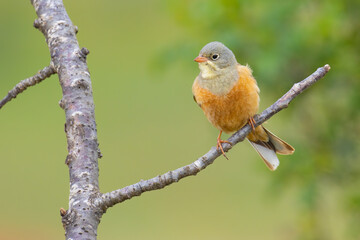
267,154
268,149
281,147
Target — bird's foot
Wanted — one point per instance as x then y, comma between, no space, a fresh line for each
252,123
219,142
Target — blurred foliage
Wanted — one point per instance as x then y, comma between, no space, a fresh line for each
284,41
142,71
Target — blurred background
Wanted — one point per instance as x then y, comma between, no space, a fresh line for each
142,70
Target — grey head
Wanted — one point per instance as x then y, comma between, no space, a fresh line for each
219,54
215,60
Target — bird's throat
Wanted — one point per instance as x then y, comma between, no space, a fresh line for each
218,81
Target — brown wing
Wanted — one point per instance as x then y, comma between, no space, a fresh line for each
281,147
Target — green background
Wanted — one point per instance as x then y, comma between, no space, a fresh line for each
142,69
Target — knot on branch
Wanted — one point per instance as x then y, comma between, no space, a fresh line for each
69,159
38,23
62,212
62,103
80,83
327,67
68,217
84,52
99,152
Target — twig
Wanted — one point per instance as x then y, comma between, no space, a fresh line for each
111,198
24,84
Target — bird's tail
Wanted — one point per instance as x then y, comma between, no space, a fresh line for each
267,145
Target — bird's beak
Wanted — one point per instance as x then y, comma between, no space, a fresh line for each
200,59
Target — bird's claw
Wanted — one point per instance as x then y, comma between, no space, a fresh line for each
252,123
219,142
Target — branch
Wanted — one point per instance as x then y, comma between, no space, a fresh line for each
111,198
24,84
82,218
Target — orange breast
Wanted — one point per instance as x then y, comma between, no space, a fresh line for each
230,111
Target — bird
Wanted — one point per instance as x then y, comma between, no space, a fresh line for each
228,94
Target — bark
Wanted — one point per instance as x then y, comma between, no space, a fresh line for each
82,218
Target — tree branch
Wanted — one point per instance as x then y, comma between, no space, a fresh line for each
24,84
82,218
111,198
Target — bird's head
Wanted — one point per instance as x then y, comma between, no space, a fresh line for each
213,58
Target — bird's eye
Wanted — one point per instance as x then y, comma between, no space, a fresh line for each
215,56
